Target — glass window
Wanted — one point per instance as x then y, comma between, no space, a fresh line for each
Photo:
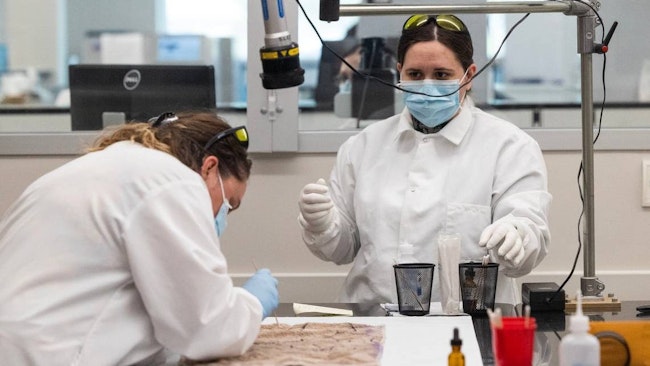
521,74
532,69
181,17
321,66
333,97
224,24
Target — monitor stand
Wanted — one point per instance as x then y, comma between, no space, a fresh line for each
113,118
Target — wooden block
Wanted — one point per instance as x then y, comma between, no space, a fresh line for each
608,303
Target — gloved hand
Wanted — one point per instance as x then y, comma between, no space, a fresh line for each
316,207
509,241
265,287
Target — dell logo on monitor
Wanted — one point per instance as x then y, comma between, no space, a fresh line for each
131,79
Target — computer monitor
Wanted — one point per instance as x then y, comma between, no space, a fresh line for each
101,95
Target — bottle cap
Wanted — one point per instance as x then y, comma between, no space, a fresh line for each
456,341
579,322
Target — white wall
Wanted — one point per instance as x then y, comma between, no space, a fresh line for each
265,228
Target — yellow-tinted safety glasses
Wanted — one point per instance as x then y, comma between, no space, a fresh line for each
163,119
240,133
444,21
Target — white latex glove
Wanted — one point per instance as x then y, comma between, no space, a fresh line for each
508,241
316,207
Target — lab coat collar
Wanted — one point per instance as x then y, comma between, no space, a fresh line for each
405,124
458,127
454,131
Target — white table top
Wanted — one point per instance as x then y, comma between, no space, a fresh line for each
412,340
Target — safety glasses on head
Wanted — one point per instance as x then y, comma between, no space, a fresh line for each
163,119
444,21
240,133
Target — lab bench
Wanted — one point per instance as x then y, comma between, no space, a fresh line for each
551,326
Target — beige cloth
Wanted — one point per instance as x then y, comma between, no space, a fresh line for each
310,344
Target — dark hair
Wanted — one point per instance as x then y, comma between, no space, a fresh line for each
185,139
460,43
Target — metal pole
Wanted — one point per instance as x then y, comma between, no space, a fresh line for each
587,162
590,285
491,7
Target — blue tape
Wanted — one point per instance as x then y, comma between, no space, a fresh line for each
265,10
281,8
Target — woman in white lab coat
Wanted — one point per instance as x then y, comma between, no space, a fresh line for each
114,259
442,165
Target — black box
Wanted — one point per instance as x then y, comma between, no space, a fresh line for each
542,296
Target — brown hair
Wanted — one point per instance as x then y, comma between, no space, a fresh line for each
460,43
185,139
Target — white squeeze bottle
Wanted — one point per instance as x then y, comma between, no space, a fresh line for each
579,348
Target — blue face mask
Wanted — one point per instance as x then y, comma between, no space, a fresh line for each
432,111
221,220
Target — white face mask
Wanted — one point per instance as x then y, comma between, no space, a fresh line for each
433,110
221,220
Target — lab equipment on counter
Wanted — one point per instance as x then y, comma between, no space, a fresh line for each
512,339
478,285
414,282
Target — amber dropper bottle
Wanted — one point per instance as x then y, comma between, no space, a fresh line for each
456,357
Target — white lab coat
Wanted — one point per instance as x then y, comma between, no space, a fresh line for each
112,258
392,184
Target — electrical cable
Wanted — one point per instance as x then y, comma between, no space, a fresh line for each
384,82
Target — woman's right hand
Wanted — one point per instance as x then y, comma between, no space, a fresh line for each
316,207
